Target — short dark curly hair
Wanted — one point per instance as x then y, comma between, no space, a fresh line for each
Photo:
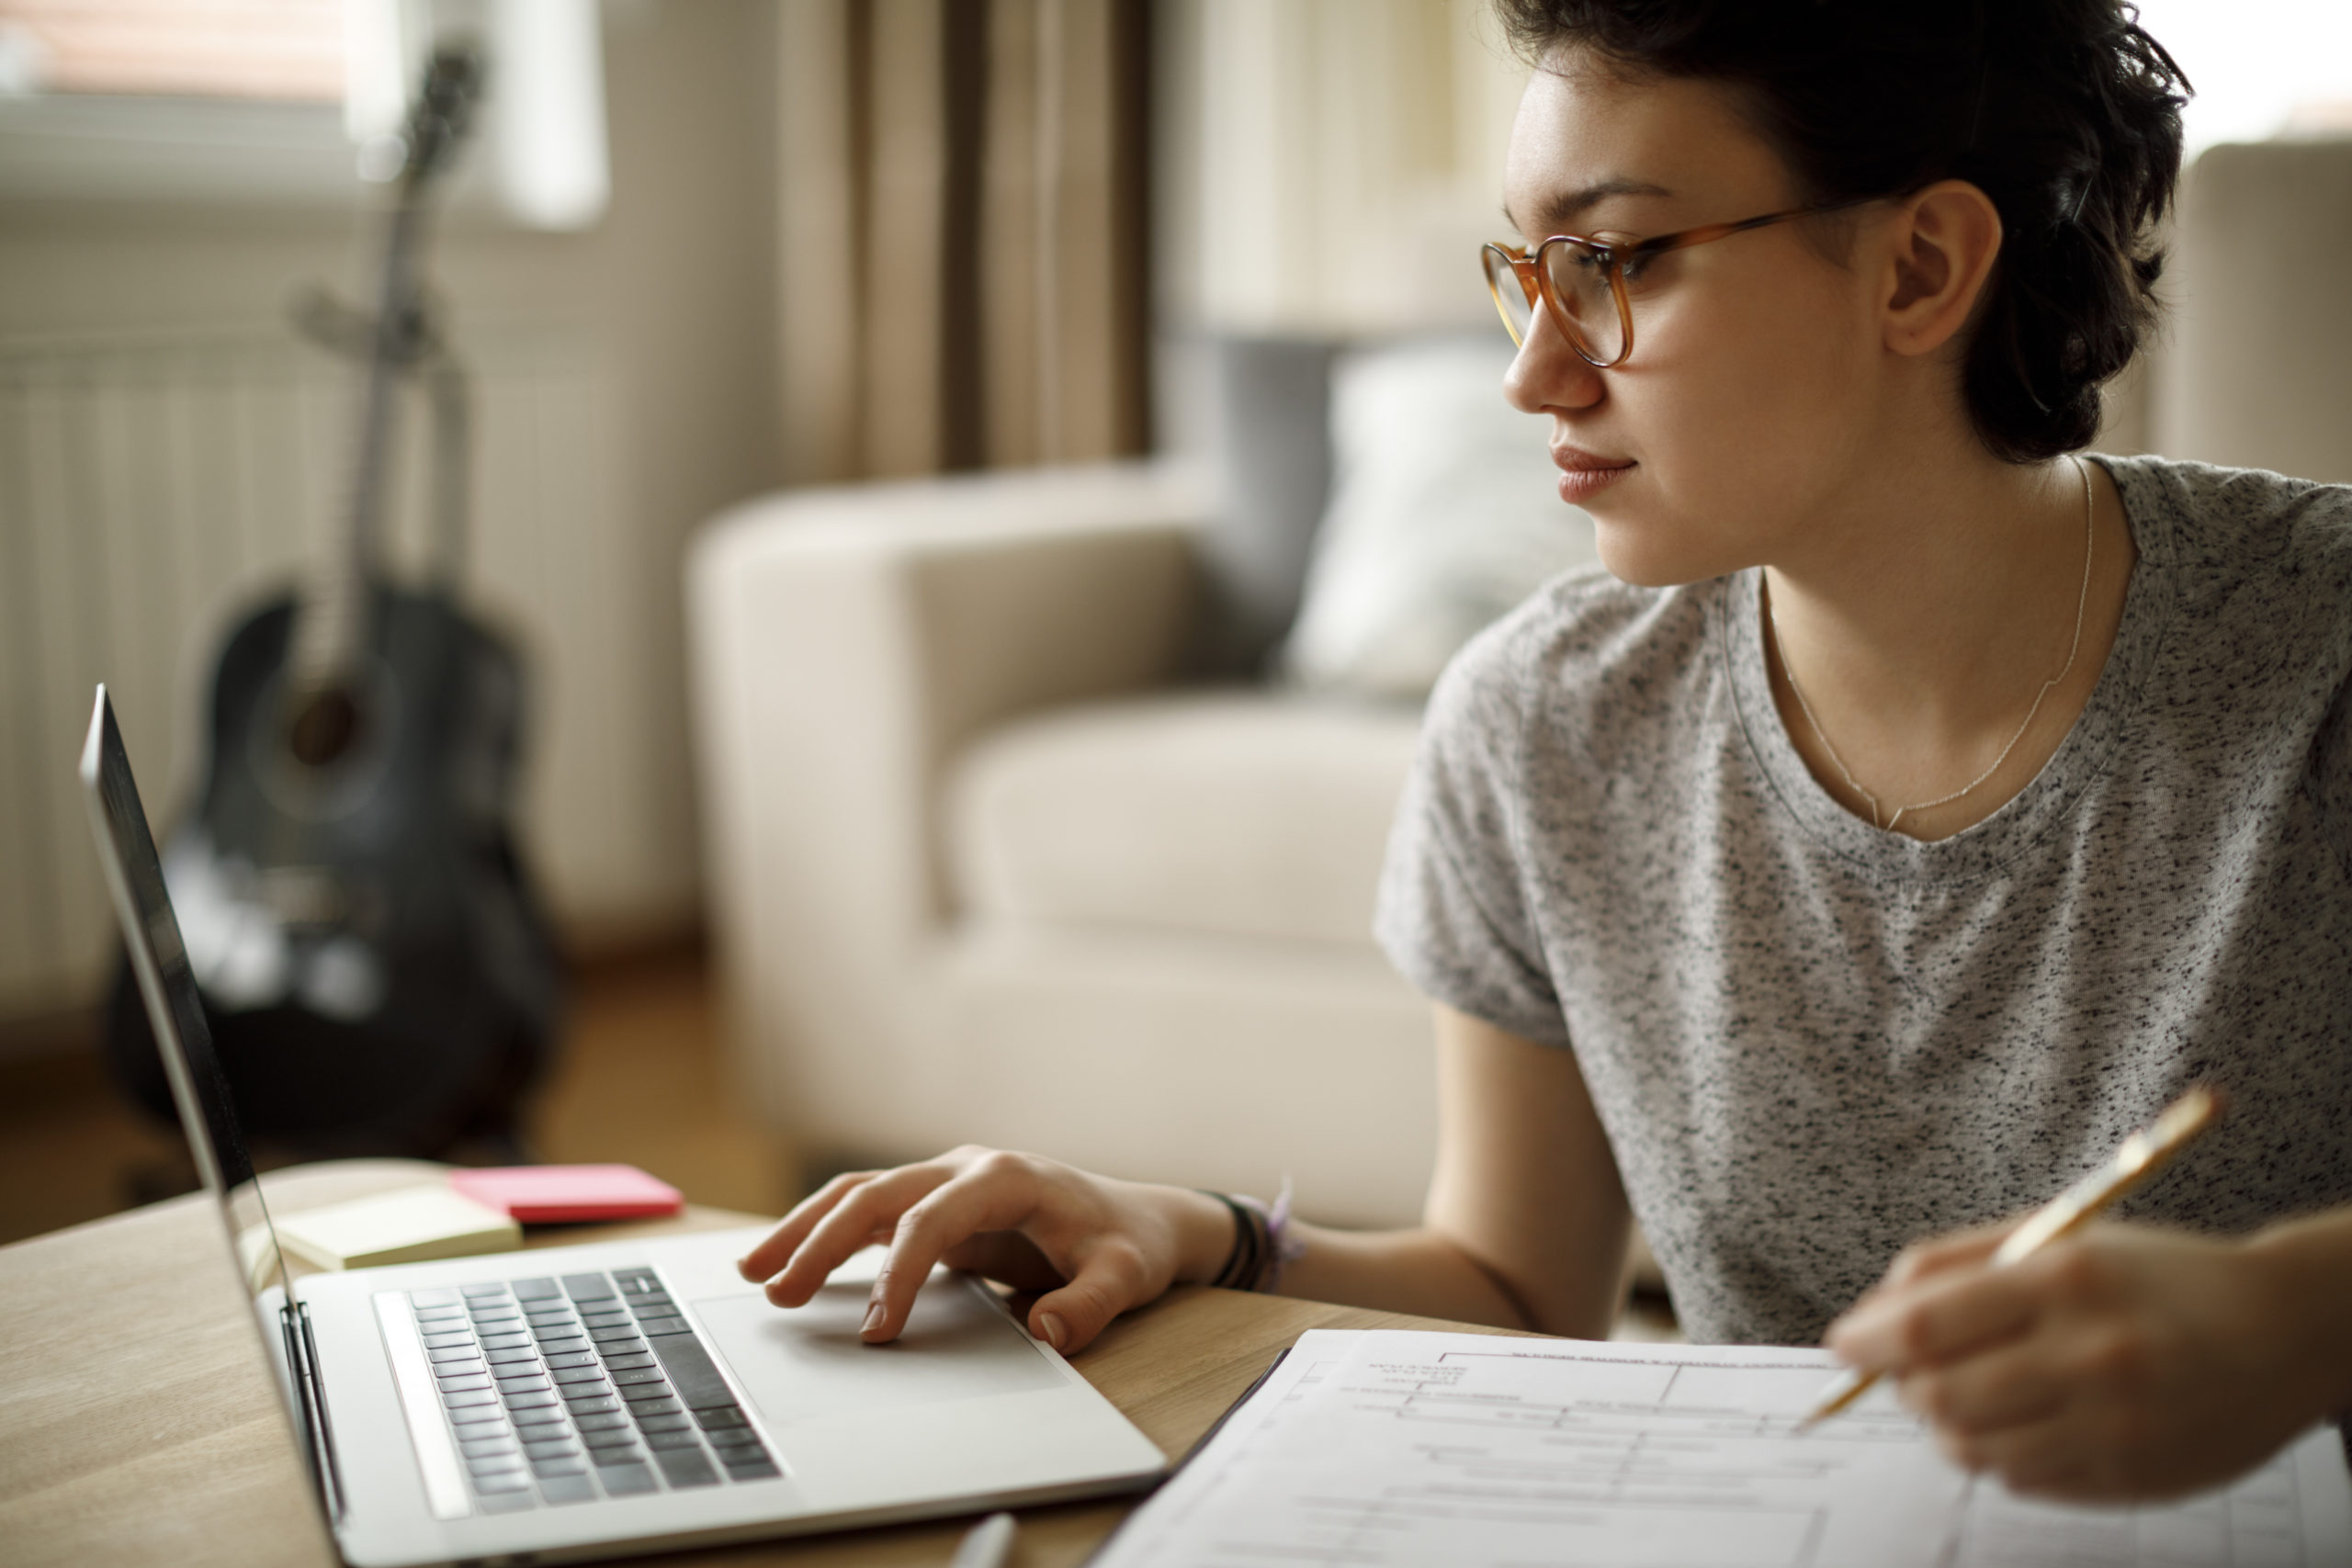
2064,112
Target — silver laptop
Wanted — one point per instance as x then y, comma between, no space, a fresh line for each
591,1400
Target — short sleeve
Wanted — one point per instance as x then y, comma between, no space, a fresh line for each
2332,774
1454,913
2324,514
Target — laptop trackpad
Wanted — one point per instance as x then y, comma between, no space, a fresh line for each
806,1363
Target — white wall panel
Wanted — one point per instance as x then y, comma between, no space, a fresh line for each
153,490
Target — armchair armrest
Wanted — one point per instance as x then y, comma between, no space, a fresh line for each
845,644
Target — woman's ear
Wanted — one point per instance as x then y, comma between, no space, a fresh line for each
1944,241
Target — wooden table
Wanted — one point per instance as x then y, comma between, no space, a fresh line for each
137,1423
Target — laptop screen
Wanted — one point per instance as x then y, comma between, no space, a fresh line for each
151,934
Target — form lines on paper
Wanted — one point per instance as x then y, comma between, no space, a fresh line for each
1438,1451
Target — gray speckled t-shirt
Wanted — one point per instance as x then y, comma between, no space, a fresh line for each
1811,1042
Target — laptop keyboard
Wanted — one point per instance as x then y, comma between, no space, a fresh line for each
566,1389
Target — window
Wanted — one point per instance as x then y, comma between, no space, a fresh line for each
2262,68
274,51
277,102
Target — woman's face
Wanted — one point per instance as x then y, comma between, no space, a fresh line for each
1752,396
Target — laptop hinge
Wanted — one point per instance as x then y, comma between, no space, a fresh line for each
310,1405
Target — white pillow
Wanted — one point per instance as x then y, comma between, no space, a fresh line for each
1443,514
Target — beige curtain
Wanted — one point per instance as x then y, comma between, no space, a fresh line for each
962,260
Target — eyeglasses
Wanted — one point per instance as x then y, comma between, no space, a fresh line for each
1582,282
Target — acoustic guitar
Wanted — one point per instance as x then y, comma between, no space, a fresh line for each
376,968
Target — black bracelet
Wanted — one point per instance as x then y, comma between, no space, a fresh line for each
1245,1265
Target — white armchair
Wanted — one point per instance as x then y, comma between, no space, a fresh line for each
980,871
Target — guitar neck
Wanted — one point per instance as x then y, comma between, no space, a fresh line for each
331,627
331,622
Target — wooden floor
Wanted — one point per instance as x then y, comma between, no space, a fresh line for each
641,1080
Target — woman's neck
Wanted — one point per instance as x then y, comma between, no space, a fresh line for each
1924,615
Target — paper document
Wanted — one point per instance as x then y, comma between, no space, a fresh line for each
1392,1448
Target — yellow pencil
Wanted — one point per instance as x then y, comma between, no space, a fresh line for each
2139,1156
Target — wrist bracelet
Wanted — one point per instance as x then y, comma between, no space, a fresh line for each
1262,1244
1281,1248
1246,1260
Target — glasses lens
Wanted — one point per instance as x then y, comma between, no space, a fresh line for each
1580,283
1511,298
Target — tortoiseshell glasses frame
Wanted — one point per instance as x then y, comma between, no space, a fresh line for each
1582,281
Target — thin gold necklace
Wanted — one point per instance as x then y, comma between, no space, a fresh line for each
2081,600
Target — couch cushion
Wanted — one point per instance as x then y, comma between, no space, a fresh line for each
1233,812
1445,512
1273,433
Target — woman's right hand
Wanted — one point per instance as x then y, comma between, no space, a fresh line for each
1094,1246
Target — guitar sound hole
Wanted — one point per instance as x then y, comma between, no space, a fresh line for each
323,728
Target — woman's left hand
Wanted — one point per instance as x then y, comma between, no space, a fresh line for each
2125,1362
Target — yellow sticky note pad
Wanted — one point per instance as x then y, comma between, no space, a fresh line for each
408,1227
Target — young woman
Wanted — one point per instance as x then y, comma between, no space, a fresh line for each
1914,809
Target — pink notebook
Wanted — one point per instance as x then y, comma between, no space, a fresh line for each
551,1194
